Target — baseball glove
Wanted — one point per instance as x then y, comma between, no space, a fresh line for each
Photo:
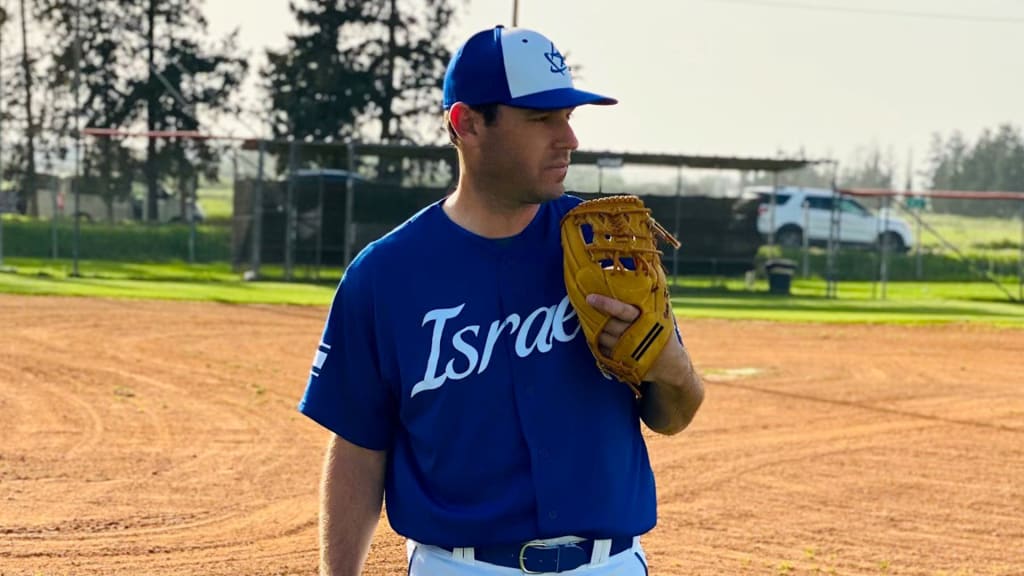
610,247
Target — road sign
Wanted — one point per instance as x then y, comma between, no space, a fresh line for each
915,202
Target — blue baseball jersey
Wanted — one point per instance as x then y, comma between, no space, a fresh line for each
462,357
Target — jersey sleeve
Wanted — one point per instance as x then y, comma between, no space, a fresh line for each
345,392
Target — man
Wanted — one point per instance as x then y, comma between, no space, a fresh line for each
453,371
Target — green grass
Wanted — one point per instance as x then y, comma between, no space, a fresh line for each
129,242
106,270
851,290
217,200
863,265
857,302
174,270
906,303
971,233
160,281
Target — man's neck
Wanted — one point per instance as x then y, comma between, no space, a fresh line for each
487,212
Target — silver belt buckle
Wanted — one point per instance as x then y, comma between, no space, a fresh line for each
522,556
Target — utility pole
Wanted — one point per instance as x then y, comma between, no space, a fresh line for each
3,20
29,191
151,114
76,183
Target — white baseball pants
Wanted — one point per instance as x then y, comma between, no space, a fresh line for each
433,561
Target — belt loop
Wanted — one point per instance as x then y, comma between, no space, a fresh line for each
466,554
602,550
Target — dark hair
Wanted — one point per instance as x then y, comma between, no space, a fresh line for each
488,111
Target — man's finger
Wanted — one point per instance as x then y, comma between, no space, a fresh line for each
615,308
606,341
615,327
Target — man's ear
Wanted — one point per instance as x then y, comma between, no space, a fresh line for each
464,120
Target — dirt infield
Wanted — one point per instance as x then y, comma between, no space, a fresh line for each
162,438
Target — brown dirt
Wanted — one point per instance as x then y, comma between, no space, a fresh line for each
162,438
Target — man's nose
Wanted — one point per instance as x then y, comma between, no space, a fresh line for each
567,137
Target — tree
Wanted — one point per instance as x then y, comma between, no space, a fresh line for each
185,73
316,91
95,60
366,69
23,114
411,63
869,170
995,162
180,75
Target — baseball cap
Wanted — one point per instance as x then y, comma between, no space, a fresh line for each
515,67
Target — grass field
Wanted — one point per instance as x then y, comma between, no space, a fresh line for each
971,234
859,302
164,281
217,200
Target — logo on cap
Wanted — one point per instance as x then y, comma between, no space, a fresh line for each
556,60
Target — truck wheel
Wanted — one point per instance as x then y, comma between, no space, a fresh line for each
893,241
790,237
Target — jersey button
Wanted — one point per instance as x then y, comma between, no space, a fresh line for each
553,515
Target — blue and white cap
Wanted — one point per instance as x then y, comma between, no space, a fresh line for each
515,67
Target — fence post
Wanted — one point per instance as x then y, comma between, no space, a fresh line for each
257,213
884,272
806,239
879,207
53,226
679,199
76,185
771,209
349,201
834,235
319,227
918,264
289,225
190,213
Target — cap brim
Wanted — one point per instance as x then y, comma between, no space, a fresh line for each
560,98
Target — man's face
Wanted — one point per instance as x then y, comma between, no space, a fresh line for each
525,153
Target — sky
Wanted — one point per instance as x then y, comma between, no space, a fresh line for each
763,78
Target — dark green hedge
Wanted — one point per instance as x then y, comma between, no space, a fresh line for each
122,242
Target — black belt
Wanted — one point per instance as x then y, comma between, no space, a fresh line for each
535,558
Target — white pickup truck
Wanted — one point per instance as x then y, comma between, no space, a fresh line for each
858,224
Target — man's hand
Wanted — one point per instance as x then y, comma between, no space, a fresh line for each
673,358
676,391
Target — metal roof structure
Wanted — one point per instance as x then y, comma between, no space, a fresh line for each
447,152
596,157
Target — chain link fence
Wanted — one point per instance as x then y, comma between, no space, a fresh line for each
303,210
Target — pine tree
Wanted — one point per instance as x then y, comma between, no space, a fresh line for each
364,69
184,79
